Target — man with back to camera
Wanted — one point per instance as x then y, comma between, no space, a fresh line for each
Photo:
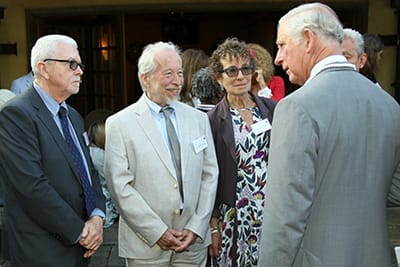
161,168
334,154
53,202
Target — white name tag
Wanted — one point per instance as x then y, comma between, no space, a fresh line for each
200,144
86,138
261,126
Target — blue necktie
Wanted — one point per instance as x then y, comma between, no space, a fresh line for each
78,160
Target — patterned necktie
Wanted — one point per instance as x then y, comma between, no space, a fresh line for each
78,160
174,146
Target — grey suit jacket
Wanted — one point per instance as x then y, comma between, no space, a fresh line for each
335,145
142,180
45,208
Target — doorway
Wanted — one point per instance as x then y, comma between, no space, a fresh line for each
112,38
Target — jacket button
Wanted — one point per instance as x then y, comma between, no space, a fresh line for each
177,212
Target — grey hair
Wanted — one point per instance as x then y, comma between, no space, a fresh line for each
47,46
203,85
147,63
317,17
356,38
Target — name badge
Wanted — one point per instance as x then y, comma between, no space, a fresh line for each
200,144
86,138
261,126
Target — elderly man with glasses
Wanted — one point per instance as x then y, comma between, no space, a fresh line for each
53,200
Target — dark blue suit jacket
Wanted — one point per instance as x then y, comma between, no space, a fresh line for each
45,208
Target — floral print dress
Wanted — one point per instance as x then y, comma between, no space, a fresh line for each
241,225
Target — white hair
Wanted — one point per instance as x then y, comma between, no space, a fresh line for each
147,63
356,38
317,17
46,47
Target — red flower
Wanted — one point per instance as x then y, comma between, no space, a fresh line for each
252,54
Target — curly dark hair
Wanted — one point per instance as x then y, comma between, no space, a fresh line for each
231,48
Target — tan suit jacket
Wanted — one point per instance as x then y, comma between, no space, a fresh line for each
142,179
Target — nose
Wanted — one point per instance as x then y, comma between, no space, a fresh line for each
240,74
79,70
178,79
278,59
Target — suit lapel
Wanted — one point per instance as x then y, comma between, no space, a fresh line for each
226,128
150,129
46,117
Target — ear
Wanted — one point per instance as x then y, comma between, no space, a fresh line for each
309,39
42,70
145,80
363,60
219,80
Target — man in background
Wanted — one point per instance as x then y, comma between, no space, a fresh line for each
21,84
353,48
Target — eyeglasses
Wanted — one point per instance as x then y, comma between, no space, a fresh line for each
73,64
234,71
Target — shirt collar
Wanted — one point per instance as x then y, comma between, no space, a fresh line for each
155,108
50,103
335,60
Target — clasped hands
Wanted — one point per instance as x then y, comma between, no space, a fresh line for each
176,240
92,235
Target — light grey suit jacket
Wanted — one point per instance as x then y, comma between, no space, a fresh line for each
335,145
142,180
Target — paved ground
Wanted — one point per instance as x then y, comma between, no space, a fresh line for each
107,256
394,229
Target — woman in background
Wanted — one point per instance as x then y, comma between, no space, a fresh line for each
97,139
192,61
373,47
206,92
265,83
240,124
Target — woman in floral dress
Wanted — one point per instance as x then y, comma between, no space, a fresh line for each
241,124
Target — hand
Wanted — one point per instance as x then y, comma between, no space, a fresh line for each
170,239
260,78
92,235
215,248
187,239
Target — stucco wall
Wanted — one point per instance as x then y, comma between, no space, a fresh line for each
383,20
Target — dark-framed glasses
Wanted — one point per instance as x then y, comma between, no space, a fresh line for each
234,71
73,64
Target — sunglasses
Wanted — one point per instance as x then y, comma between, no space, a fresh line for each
234,71
73,64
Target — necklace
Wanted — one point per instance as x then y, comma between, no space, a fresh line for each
244,109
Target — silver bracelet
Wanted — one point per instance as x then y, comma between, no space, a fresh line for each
214,230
